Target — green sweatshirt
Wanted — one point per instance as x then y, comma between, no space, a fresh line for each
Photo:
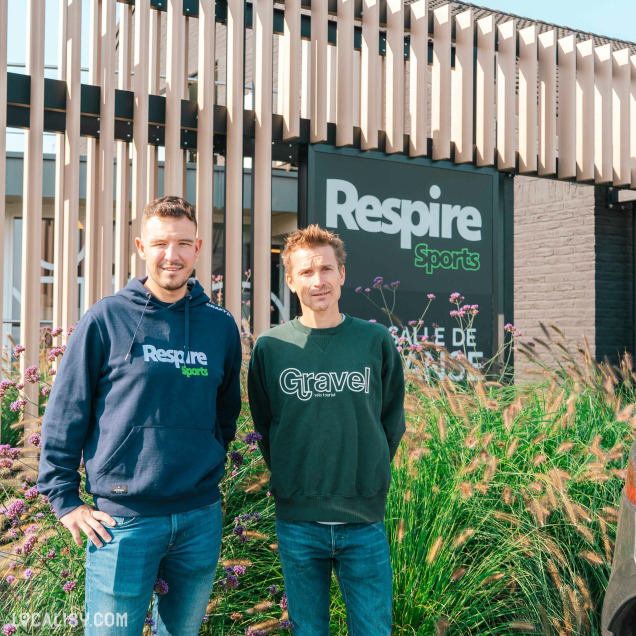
329,404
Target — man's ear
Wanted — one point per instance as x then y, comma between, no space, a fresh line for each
290,283
342,275
140,248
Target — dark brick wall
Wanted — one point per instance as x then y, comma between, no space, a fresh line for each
614,268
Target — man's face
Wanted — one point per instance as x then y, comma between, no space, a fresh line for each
316,278
170,248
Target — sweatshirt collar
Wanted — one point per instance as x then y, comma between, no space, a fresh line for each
310,331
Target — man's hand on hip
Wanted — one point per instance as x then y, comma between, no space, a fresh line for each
88,520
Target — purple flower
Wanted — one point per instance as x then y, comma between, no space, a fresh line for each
9,629
377,282
18,404
367,290
231,582
256,516
431,296
15,509
239,570
45,390
161,587
273,590
10,579
253,437
70,330
18,350
150,622
64,574
285,624
206,618
51,554
71,620
395,283
29,574
31,374
39,515
56,332
13,565
239,530
69,586
283,601
358,290
31,493
373,320
247,516
237,458
35,439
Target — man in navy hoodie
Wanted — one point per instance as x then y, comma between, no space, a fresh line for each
148,394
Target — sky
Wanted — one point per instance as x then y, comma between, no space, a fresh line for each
613,18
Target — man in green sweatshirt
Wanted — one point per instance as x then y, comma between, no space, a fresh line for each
327,396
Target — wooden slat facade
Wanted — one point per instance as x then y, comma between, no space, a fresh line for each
581,128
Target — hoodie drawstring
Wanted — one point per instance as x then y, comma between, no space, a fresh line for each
148,297
187,326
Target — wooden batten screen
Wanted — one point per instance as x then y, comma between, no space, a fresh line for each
362,74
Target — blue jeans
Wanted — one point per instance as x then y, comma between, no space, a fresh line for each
182,549
359,554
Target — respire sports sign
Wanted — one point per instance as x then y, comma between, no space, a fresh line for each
427,224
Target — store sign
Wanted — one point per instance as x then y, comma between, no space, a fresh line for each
426,224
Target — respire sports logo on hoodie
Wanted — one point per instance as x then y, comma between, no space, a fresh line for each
178,358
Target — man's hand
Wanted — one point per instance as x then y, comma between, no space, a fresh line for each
88,520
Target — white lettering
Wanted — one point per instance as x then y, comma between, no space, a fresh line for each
173,356
306,385
400,216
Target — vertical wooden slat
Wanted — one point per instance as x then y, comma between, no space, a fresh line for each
344,92
154,44
566,121
355,89
92,221
106,149
3,146
506,70
462,104
58,206
332,70
395,76
485,92
140,129
319,71
371,68
262,218
441,83
418,86
632,118
234,160
547,103
122,206
528,99
620,118
185,56
585,110
291,70
71,162
603,113
205,139
305,79
173,175
30,305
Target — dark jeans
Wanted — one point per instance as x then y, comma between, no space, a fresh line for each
359,554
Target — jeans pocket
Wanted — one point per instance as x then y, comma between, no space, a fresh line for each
124,522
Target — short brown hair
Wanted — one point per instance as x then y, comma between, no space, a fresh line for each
170,206
312,236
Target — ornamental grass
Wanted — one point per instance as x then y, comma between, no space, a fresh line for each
501,516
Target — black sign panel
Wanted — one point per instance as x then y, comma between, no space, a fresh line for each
429,225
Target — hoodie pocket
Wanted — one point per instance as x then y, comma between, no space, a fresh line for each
161,463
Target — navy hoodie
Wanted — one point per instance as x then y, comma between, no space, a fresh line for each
149,393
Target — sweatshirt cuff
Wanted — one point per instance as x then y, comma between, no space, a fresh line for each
64,503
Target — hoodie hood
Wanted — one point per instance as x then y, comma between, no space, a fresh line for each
136,292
